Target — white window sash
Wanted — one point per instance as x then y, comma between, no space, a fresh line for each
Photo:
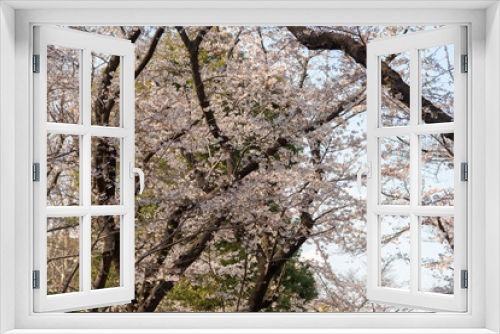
86,297
414,42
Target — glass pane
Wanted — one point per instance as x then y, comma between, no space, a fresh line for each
105,252
437,170
437,255
63,85
63,170
395,100
395,251
105,171
63,255
394,170
105,89
438,87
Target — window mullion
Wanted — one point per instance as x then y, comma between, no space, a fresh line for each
414,171
86,119
86,247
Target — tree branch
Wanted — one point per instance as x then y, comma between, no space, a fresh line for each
180,266
151,50
281,142
328,40
193,49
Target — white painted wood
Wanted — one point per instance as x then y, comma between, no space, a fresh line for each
415,162
399,210
85,177
86,297
103,131
434,211
127,106
83,40
430,129
491,165
460,156
391,131
419,129
405,210
7,167
373,184
257,331
419,40
248,4
40,156
76,129
469,322
414,42
94,210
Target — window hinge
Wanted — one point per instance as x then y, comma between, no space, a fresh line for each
464,171
465,64
36,63
465,279
36,279
36,172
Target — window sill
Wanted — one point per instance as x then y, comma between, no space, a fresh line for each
250,331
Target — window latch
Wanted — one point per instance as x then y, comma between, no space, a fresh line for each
132,171
366,170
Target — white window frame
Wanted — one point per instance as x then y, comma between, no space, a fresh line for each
85,43
414,43
484,102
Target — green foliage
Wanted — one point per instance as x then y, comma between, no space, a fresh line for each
199,298
273,207
299,287
217,293
113,280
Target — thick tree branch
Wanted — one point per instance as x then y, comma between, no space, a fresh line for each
328,40
193,50
256,301
151,50
276,264
209,115
180,266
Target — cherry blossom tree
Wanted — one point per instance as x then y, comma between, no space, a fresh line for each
250,139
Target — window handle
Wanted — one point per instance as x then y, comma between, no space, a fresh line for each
139,171
366,170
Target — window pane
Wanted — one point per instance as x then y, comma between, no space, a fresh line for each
395,251
437,170
105,89
394,170
63,255
63,85
437,254
105,252
105,171
437,84
394,105
63,170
